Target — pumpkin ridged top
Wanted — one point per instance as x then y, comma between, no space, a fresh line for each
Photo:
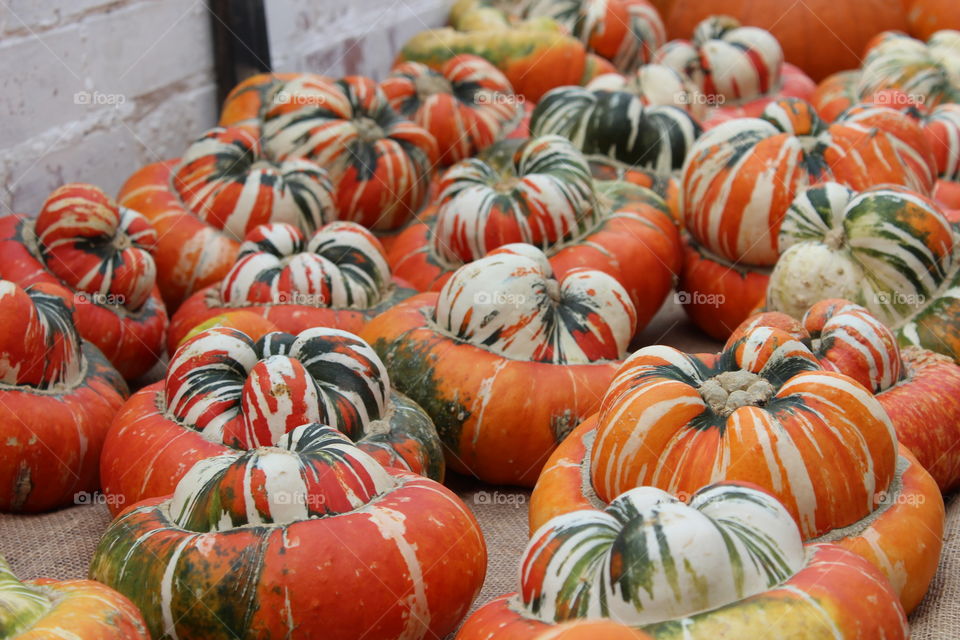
467,105
39,345
542,196
647,557
95,247
247,394
509,302
225,180
726,59
313,471
763,411
342,265
886,248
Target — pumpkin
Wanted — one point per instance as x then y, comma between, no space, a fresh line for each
930,70
83,241
44,609
656,84
819,36
203,204
731,563
543,194
718,295
466,106
926,17
247,102
338,277
280,519
380,162
603,168
886,248
741,176
763,411
248,322
626,32
507,358
726,60
794,83
224,392
616,124
57,398
535,55
919,389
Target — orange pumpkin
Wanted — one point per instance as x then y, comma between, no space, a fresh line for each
104,254
763,411
925,17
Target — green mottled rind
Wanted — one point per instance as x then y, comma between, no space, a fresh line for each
409,423
20,605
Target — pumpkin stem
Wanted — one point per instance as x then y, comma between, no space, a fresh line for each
835,238
430,84
20,605
367,129
730,390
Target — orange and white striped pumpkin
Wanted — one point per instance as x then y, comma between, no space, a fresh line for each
103,253
503,330
466,106
741,176
648,567
225,392
58,395
656,84
246,543
338,277
381,163
202,205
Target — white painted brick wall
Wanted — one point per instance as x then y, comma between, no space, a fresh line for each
94,89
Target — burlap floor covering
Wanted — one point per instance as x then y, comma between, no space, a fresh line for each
60,544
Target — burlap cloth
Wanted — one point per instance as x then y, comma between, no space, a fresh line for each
60,544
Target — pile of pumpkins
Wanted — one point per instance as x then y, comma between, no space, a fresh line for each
353,286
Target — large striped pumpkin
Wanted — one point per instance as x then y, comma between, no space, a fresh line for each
338,277
309,538
730,563
626,32
740,177
57,398
617,124
103,253
543,194
77,609
763,411
888,249
225,392
203,204
507,358
919,389
467,105
726,60
380,162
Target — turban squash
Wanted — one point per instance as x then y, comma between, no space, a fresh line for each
919,389
888,249
225,392
87,610
535,55
202,204
763,411
507,358
83,241
57,398
544,194
741,177
730,563
466,106
338,277
305,539
656,84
